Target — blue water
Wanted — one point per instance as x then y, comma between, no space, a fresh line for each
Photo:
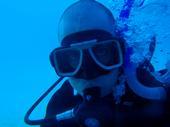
28,32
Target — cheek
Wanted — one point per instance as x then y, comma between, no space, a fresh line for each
107,82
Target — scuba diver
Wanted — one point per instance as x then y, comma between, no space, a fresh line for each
104,88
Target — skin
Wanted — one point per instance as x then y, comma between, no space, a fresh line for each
105,82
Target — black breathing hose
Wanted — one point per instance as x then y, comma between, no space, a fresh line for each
40,121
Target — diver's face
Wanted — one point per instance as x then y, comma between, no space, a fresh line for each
90,73
106,83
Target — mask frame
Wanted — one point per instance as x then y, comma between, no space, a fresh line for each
79,47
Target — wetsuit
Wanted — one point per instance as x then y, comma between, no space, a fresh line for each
132,111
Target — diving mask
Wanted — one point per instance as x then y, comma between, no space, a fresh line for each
67,61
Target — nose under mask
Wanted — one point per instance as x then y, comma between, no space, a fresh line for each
89,69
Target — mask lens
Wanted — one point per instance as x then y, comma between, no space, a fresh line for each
66,61
107,53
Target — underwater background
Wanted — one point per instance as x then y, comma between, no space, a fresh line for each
28,33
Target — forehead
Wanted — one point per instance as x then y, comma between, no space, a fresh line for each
98,35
